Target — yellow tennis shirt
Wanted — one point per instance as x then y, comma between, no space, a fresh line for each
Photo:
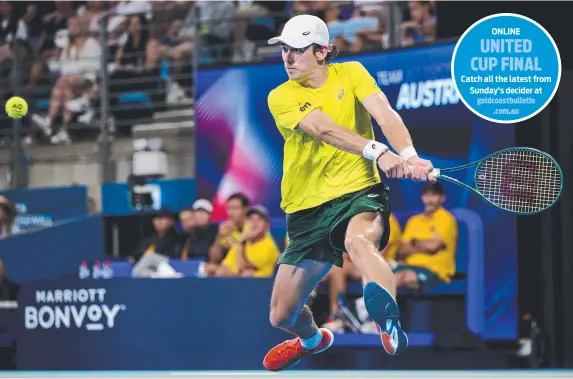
313,171
422,227
264,254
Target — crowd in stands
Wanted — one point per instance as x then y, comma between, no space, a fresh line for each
151,46
241,246
422,254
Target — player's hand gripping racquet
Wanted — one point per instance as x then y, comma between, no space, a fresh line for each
521,180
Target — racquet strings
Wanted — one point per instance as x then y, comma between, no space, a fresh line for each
519,180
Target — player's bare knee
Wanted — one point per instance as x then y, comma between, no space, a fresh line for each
281,318
357,245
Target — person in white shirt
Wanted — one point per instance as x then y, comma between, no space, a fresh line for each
80,61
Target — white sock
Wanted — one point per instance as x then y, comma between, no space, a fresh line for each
312,342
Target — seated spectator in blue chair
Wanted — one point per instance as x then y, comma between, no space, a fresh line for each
337,277
422,25
164,241
136,69
79,64
426,256
201,237
229,230
255,254
246,13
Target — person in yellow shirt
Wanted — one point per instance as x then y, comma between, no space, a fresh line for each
338,277
332,193
256,253
229,231
428,247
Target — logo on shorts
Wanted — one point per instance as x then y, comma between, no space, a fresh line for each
305,106
341,94
372,195
305,33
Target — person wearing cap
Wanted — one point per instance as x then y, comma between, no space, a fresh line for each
256,253
428,247
200,238
8,213
164,241
332,192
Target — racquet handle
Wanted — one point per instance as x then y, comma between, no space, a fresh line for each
435,173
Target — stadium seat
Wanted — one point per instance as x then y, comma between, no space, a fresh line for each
135,98
42,104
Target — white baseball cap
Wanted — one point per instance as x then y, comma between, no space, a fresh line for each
302,31
204,205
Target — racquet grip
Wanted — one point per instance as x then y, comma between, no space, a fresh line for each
435,173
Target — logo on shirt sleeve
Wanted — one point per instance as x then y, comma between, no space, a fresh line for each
305,106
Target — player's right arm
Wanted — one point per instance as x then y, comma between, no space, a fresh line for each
289,114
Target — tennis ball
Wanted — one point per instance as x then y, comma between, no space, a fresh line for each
16,107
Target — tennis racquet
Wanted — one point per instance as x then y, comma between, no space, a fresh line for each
520,180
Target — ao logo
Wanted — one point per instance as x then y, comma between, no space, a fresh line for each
78,307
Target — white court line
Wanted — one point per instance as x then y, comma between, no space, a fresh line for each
487,374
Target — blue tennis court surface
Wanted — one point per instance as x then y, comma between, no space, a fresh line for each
537,374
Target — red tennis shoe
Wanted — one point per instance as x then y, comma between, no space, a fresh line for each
289,353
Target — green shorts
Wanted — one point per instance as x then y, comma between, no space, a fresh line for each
427,279
318,233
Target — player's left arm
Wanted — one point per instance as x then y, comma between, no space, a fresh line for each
369,94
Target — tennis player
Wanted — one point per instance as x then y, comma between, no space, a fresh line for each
331,190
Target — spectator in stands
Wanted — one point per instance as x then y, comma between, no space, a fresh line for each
422,25
229,231
53,31
332,14
9,289
359,43
389,252
8,213
165,240
80,62
342,44
246,13
427,253
255,254
93,10
173,47
377,36
11,28
338,277
136,66
216,20
202,236
187,219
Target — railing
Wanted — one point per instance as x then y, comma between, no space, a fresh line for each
136,71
